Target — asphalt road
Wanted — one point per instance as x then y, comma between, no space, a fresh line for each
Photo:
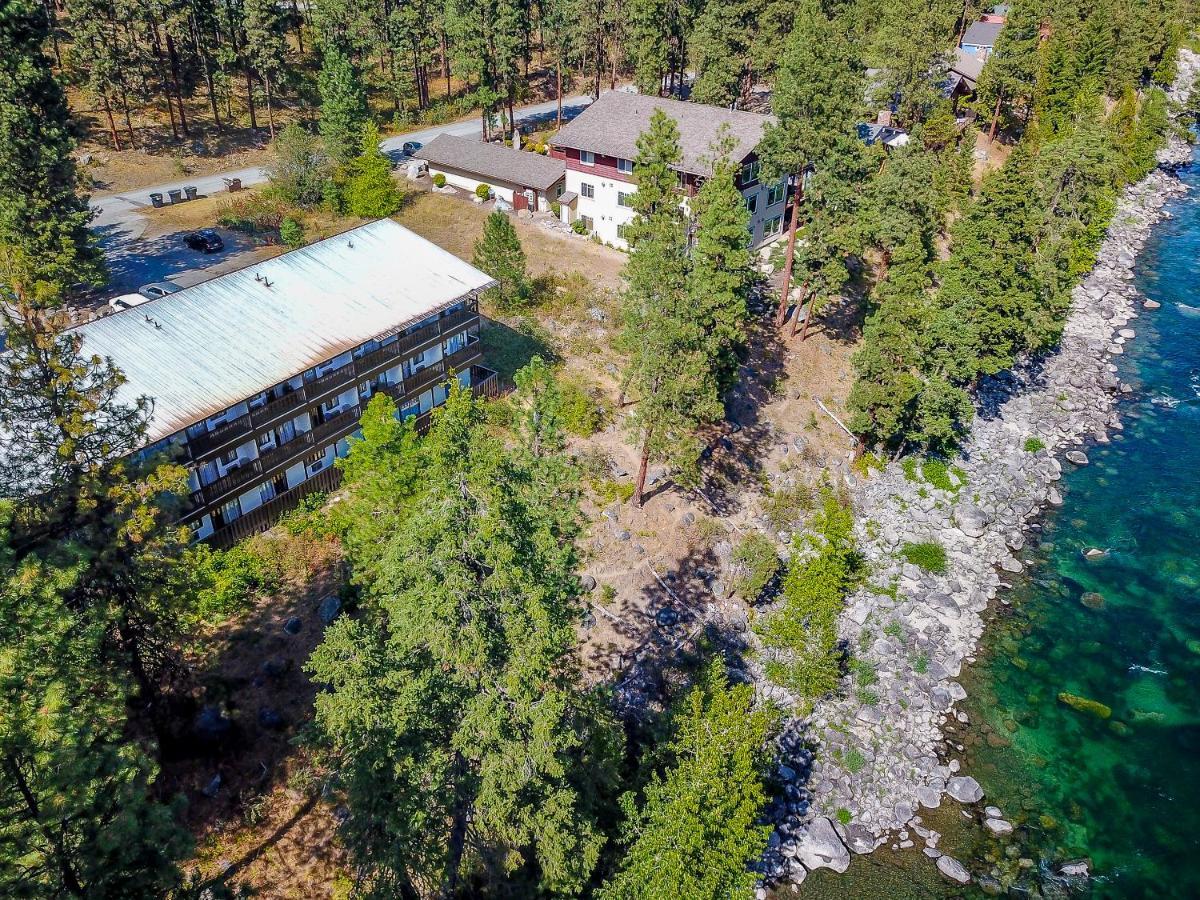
135,261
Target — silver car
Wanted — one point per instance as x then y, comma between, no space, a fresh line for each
156,289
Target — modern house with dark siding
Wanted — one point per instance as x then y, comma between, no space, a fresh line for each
599,146
258,378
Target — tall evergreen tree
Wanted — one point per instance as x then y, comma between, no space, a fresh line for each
697,831
43,217
266,48
343,104
371,192
498,253
817,101
456,719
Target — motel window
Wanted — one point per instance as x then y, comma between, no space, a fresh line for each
587,222
587,158
750,172
775,194
624,199
773,226
230,512
587,190
752,203
410,409
623,231
625,166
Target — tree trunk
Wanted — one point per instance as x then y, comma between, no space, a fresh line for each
299,26
250,97
458,834
558,91
807,315
112,123
270,111
174,58
790,256
66,871
128,119
202,52
639,487
995,119
446,62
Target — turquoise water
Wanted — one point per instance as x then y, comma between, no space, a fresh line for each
1123,790
1123,631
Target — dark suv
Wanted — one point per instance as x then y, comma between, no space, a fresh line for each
206,239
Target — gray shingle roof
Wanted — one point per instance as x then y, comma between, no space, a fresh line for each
611,126
981,34
495,161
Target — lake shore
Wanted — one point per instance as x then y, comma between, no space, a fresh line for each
882,752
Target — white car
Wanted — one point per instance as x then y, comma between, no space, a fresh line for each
156,289
127,301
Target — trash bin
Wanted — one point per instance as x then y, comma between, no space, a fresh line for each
156,200
176,196
190,191
235,184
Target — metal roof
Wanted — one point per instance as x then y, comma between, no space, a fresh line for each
981,34
612,124
208,347
495,161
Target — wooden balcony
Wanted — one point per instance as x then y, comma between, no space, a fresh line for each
376,358
231,481
333,378
285,452
418,381
334,428
268,514
264,415
231,432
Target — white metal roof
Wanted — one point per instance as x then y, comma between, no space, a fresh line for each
211,346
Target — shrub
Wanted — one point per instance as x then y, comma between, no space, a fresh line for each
785,508
853,760
371,192
927,555
578,227
291,232
921,664
232,578
610,490
255,213
439,180
499,253
584,411
1034,444
844,816
756,564
483,191
556,208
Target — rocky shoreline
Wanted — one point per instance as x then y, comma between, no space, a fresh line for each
882,750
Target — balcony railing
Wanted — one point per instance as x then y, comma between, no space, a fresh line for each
223,434
331,378
376,358
272,458
339,424
276,408
268,514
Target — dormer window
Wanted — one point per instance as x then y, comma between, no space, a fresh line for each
587,158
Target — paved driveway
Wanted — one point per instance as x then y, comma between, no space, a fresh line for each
135,260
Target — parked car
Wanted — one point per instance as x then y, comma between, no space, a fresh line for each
156,289
127,301
410,147
205,239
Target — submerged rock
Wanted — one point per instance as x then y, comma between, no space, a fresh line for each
1084,705
964,789
953,869
820,847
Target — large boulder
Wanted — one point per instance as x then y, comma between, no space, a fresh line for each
821,848
970,520
953,869
964,789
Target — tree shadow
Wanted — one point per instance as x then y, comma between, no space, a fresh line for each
506,348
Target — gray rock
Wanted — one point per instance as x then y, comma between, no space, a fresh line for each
1076,868
970,520
964,789
330,609
1078,457
821,848
213,787
859,839
211,725
998,826
953,869
929,798
293,625
587,582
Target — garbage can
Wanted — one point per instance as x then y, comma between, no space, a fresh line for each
156,200
176,196
190,191
235,184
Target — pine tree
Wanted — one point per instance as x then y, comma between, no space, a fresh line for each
718,47
343,104
722,270
498,253
77,815
1008,81
670,371
540,403
697,832
265,47
43,219
370,191
908,43
456,719
816,103
301,169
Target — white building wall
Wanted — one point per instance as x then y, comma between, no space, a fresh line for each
467,183
608,215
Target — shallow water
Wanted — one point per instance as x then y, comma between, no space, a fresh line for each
1124,631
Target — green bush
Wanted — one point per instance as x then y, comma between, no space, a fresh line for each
757,563
1034,444
578,227
844,816
439,180
257,214
483,191
556,208
853,760
291,232
927,555
232,578
785,508
584,411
